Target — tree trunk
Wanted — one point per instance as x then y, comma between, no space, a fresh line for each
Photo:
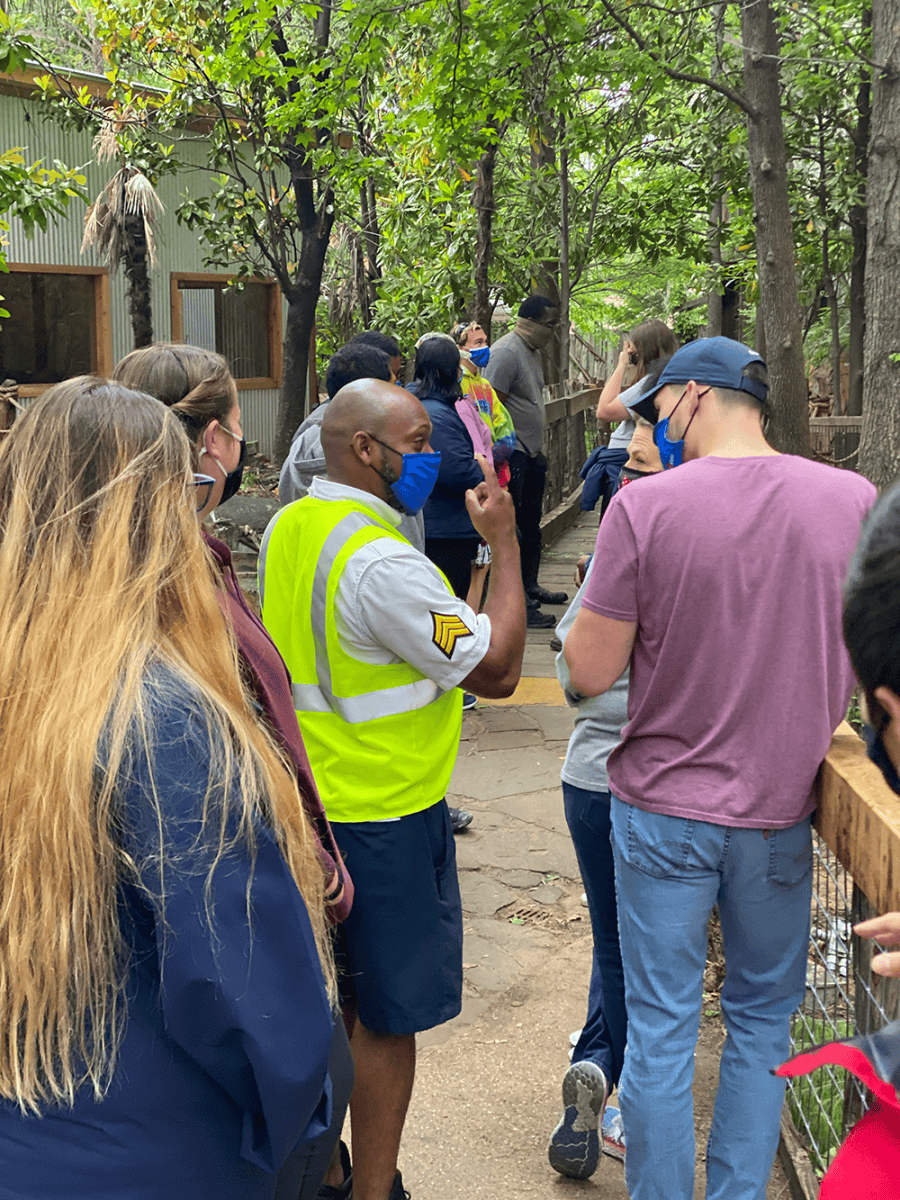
714,243
778,295
543,159
565,290
714,299
371,238
301,316
857,217
483,203
137,273
879,446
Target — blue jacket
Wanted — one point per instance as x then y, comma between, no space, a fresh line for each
445,511
601,474
222,1069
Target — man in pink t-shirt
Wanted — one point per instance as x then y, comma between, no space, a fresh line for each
720,583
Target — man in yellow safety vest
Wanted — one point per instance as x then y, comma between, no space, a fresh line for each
379,649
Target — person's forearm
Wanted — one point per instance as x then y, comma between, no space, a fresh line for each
613,385
505,606
497,675
608,405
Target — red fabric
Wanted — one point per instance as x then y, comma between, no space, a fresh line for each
271,684
842,1054
867,1166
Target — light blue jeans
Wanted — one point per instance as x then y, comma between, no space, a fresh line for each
670,871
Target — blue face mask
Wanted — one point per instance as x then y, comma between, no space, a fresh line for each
480,356
672,453
880,757
416,480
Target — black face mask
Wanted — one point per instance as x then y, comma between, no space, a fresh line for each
232,478
630,474
880,757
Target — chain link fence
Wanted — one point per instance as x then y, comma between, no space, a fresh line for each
842,998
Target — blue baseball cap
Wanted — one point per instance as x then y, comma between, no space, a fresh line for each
715,362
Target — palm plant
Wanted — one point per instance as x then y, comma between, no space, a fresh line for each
119,227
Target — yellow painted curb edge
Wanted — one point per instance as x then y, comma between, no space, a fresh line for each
533,691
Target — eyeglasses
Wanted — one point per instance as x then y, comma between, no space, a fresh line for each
203,486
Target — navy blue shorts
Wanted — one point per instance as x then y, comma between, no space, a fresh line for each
399,952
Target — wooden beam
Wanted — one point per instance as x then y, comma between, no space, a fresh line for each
859,817
795,1161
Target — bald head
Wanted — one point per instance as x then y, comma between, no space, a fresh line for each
367,428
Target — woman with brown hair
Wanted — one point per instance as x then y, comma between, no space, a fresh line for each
198,387
647,342
166,982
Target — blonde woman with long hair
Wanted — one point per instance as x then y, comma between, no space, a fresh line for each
165,974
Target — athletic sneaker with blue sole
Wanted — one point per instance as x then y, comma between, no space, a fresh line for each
574,1148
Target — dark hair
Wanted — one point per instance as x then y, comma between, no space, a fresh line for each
437,370
534,306
381,341
652,339
759,374
356,360
872,599
652,372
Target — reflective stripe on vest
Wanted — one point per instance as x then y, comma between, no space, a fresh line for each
382,737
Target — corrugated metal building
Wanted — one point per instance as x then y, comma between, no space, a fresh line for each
68,316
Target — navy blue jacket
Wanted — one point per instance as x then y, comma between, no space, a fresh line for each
601,475
222,1070
445,511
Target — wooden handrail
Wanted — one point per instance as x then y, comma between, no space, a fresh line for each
858,816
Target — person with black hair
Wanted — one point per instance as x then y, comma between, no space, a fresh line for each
361,358
383,342
451,541
517,375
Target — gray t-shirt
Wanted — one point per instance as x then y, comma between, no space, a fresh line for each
306,461
517,372
598,719
624,431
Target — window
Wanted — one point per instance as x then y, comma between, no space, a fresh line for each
244,326
58,325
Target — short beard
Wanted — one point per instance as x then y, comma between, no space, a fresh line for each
388,476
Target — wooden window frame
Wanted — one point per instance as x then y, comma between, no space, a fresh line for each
101,341
200,279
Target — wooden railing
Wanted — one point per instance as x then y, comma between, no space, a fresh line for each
572,432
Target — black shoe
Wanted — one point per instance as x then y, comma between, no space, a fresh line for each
398,1191
535,619
328,1192
460,818
469,701
555,643
544,597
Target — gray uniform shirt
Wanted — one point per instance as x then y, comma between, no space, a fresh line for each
598,719
306,461
518,372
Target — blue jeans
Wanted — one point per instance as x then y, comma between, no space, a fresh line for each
670,871
602,1039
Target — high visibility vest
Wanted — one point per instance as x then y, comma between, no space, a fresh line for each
381,739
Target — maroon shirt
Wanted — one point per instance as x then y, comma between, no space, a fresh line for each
271,685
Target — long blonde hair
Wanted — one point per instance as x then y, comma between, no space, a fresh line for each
106,587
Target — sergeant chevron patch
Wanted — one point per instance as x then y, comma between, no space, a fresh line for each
448,629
